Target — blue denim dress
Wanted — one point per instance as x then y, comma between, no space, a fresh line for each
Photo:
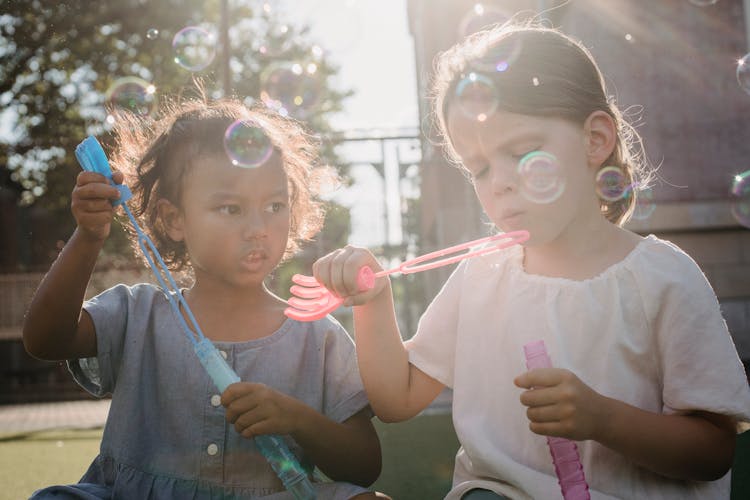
166,435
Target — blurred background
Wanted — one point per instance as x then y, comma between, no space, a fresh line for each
355,72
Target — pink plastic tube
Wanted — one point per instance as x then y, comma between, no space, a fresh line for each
564,452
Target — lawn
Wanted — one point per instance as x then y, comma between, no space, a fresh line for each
417,459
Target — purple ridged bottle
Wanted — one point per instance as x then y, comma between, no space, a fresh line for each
564,452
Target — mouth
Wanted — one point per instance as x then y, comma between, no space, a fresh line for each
510,215
253,257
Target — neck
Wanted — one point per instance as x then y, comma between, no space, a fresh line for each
228,299
579,252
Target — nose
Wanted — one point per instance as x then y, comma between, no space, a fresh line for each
254,226
504,177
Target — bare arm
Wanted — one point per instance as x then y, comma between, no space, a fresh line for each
346,451
397,389
698,446
55,327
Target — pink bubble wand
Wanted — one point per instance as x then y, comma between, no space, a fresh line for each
312,301
564,452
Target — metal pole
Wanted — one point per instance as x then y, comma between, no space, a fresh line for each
224,34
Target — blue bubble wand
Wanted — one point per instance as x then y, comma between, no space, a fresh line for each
91,156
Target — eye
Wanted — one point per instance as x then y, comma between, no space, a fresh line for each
229,209
523,152
275,207
479,173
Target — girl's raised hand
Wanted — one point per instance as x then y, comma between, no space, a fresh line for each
257,409
560,404
338,272
91,204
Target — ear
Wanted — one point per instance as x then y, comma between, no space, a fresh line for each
171,217
601,137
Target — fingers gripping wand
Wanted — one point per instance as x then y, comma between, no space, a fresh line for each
92,158
564,452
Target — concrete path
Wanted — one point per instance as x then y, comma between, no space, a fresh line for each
34,417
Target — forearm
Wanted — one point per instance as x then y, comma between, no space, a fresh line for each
348,451
688,447
383,359
52,318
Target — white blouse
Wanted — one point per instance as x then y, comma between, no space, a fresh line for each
647,331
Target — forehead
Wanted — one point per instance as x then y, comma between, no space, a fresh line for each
215,171
467,134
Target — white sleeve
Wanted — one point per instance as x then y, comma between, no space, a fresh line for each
701,369
433,347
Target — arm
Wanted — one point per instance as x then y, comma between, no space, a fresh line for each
55,327
397,390
697,446
346,451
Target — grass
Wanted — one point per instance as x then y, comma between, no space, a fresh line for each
417,458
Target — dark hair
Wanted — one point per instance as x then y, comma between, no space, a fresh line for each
544,73
156,155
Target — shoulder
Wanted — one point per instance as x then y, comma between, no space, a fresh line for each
664,258
665,272
141,293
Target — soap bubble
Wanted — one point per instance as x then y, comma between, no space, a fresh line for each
291,88
644,204
131,94
194,48
611,184
739,196
743,73
476,96
480,17
152,34
247,144
541,177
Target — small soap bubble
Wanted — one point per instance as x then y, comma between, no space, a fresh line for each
291,88
476,96
152,34
498,58
481,16
611,184
743,73
541,177
247,144
739,196
194,48
131,94
644,204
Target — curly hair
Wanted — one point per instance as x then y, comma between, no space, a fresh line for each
156,154
567,84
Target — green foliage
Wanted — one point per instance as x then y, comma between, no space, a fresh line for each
57,60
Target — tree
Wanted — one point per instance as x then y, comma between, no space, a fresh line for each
59,60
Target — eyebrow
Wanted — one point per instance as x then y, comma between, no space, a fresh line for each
220,195
525,134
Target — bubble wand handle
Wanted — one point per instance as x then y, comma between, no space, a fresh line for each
564,452
92,158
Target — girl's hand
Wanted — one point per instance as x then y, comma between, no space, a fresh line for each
338,272
91,204
560,404
256,409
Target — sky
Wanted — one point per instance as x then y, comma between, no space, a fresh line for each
370,41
